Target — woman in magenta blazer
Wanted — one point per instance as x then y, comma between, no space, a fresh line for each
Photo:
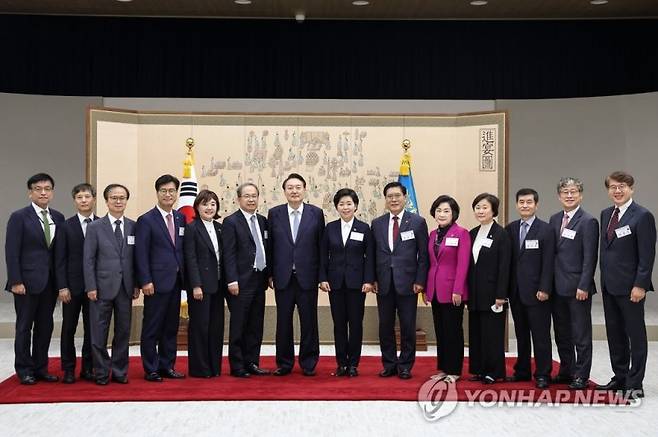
450,254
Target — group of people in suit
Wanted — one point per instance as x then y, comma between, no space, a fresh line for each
543,271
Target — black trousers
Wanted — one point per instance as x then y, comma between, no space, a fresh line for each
532,321
34,328
406,307
245,327
572,326
160,329
449,331
205,334
486,343
70,316
100,315
347,308
307,307
627,338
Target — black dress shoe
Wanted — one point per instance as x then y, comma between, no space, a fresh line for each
475,378
253,369
488,380
69,377
102,381
541,383
28,380
281,371
171,374
199,375
308,372
578,383
120,379
561,379
240,373
404,374
516,378
87,375
153,377
352,371
46,377
386,373
612,385
341,371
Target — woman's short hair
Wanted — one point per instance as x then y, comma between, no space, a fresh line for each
203,197
444,198
493,201
346,192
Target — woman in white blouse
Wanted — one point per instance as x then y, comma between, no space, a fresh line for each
488,279
205,295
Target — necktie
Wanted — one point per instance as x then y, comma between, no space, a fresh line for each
118,234
295,225
524,232
260,256
396,229
46,226
84,228
565,222
614,221
170,228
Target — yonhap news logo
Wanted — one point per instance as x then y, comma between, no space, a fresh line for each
437,399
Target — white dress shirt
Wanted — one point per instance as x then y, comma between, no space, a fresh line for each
390,228
113,223
345,229
482,235
51,222
291,217
210,228
623,208
248,217
83,224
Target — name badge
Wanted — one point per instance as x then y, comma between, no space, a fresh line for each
532,244
131,240
568,233
181,232
623,232
407,235
265,234
452,241
356,236
487,242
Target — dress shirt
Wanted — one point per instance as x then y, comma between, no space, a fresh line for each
83,224
248,217
345,229
482,235
52,226
390,227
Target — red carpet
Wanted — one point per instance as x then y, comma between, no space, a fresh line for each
367,386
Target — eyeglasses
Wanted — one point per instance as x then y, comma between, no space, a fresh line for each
41,189
249,196
394,196
118,198
620,187
569,192
167,191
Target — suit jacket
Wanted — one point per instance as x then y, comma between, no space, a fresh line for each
304,253
351,265
449,270
575,259
29,260
488,279
69,257
201,263
157,260
108,265
628,261
240,251
532,269
408,261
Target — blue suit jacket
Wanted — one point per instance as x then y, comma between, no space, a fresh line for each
409,260
29,260
351,265
304,253
157,259
628,261
532,269
68,259
575,259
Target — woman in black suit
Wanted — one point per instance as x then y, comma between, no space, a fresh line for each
347,274
205,295
488,278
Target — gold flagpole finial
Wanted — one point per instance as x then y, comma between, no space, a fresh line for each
406,144
405,162
189,158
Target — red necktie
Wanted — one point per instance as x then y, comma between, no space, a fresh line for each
565,222
614,221
396,229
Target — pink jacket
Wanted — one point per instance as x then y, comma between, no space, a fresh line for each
449,271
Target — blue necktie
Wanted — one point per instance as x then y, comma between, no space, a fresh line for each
524,232
260,256
295,225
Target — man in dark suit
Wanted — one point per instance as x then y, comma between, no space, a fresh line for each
32,236
401,265
628,251
71,284
246,268
295,231
160,272
110,285
531,282
576,252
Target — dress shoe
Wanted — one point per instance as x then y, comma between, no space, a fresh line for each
281,371
386,373
171,374
102,381
541,383
578,383
404,374
612,385
120,379
69,377
475,378
516,378
46,377
153,377
352,371
240,373
308,372
341,371
488,380
87,375
28,380
253,369
561,379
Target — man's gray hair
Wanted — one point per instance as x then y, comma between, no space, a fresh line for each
247,184
564,182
